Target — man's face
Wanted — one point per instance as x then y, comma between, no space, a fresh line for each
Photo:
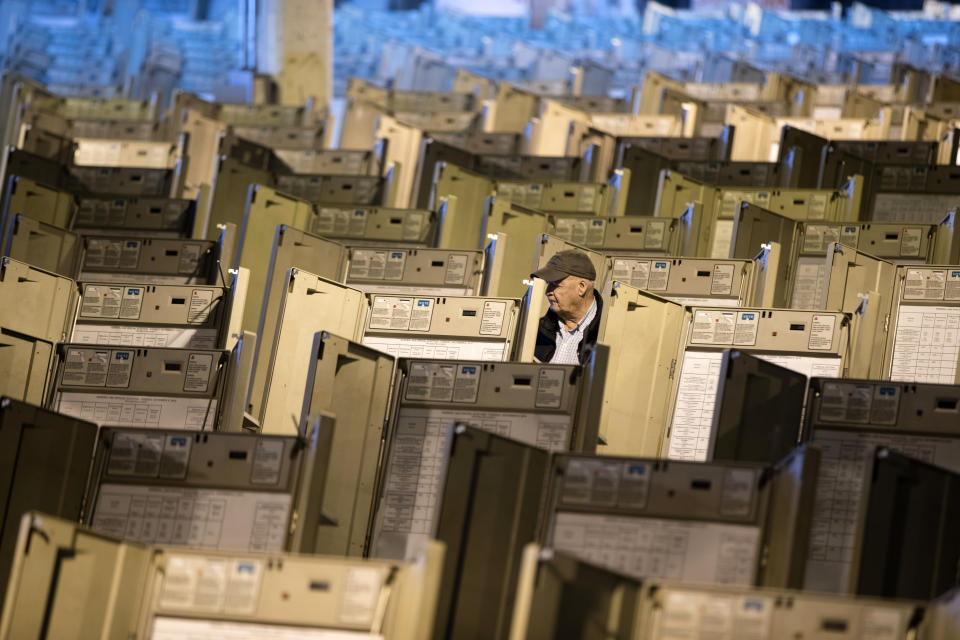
564,295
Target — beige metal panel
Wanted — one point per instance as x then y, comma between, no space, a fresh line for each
282,136
203,144
135,258
465,193
266,208
403,149
401,268
233,409
25,368
521,226
754,227
309,304
510,110
358,224
361,189
359,128
43,245
44,204
230,192
94,152
292,249
36,303
73,583
354,383
941,621
147,215
626,235
643,333
547,245
795,614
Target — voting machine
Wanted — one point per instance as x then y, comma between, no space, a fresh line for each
404,269
45,461
153,387
371,225
552,407
151,260
71,581
848,420
923,342
626,235
36,313
155,216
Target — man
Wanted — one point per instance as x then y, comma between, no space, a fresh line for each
573,320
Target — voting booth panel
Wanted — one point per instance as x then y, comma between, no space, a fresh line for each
42,245
552,407
46,204
694,522
153,315
309,304
465,194
755,228
155,216
71,581
151,260
373,225
405,269
228,199
36,313
667,609
151,387
212,490
923,341
627,235
808,342
559,594
447,327
45,461
354,384
848,420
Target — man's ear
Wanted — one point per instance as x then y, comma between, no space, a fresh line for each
582,287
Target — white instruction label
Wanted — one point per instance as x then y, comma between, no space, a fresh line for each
924,284
101,301
131,303
368,264
722,282
138,335
106,253
494,314
165,628
190,258
713,327
737,495
821,332
430,381
636,273
852,403
655,235
748,323
466,385
421,314
208,584
952,289
926,345
456,271
391,313
160,412
267,461
361,593
135,454
439,349
201,304
413,223
119,369
910,239
197,377
85,367
659,275
689,614
549,388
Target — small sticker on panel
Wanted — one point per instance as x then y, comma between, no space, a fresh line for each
467,383
924,284
412,226
101,301
201,304
197,378
910,240
821,332
421,314
952,286
367,264
549,388
722,282
391,313
395,265
243,587
190,258
175,459
193,583
131,303
737,496
85,367
267,459
659,275
456,271
636,273
430,381
713,327
748,324
361,593
634,485
886,404
494,314
119,369
655,234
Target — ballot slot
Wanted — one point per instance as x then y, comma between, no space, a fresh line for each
807,342
923,341
152,387
43,245
354,384
308,304
295,597
848,420
444,327
492,493
625,235
212,490
693,522
154,216
61,568
541,405
45,458
372,225
37,313
916,502
668,608
557,593
405,269
151,260
151,315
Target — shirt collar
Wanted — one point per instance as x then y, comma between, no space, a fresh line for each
587,317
